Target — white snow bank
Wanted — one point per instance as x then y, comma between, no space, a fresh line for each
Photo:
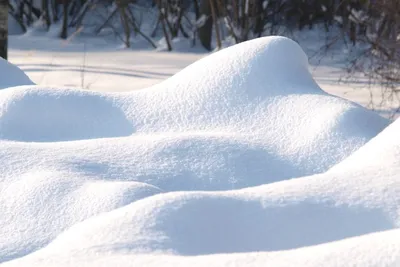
244,227
260,91
38,205
48,115
373,250
382,152
11,75
285,215
246,116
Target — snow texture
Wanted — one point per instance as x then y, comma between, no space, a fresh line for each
197,170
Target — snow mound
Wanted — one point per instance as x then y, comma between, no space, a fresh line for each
95,173
372,250
323,211
48,115
381,152
11,75
259,91
287,215
38,205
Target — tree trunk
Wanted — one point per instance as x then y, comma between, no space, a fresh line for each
125,24
215,19
30,12
54,8
45,13
164,28
205,30
196,8
353,33
64,30
3,28
259,18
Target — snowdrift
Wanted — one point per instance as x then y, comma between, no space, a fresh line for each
382,152
11,75
158,176
379,249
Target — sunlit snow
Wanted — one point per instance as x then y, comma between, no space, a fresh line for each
240,159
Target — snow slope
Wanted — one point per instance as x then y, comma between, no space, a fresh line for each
377,250
324,220
92,178
382,152
11,75
346,219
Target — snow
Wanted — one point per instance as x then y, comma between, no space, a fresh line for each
95,64
10,75
255,219
239,159
380,249
381,152
38,115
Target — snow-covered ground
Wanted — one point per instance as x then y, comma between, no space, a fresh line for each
94,65
239,159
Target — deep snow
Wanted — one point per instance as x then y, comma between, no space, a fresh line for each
92,178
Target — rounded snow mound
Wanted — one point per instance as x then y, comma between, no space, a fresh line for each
34,114
11,75
253,105
263,67
287,215
371,250
44,203
383,151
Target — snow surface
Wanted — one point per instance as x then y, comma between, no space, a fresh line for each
93,63
11,75
197,170
382,152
